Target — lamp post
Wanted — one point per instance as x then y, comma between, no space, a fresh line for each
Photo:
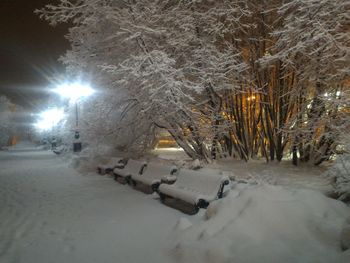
74,92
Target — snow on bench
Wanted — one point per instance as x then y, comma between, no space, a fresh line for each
132,167
152,176
194,189
112,163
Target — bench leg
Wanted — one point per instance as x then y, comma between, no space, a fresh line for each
202,203
115,177
155,187
132,182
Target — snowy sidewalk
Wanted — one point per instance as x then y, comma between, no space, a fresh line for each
50,213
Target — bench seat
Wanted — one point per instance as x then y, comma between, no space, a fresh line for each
112,163
133,167
196,188
152,177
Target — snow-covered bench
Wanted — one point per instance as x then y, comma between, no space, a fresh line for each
115,162
152,176
59,149
132,167
194,189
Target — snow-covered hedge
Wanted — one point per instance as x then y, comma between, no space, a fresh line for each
6,122
266,223
341,173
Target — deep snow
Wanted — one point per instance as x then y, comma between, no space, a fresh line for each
277,173
266,223
49,212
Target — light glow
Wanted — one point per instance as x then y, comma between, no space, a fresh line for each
74,91
251,98
49,118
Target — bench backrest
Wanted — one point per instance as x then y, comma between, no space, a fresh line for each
205,181
115,161
135,167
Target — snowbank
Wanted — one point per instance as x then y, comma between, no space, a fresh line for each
340,172
266,223
90,157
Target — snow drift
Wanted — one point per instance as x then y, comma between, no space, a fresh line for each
340,172
266,223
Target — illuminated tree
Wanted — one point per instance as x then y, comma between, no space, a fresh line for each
314,45
235,78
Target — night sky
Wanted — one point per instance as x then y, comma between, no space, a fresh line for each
29,49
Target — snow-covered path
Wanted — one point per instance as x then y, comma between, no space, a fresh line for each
50,213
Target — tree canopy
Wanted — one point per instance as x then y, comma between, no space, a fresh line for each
237,78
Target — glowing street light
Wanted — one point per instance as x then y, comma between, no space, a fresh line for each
49,119
75,91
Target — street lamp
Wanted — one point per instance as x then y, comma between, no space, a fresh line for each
75,91
49,118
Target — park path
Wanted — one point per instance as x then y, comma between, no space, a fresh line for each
51,213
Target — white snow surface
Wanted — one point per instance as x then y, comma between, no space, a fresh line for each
51,213
132,167
153,173
258,171
191,185
113,162
266,223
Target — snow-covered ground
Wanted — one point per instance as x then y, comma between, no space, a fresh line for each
49,212
277,173
267,223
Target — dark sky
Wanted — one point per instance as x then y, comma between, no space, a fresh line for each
29,49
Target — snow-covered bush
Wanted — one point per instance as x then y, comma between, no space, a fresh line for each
340,171
7,127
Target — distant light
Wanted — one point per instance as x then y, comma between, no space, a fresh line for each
169,149
49,118
74,91
338,93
